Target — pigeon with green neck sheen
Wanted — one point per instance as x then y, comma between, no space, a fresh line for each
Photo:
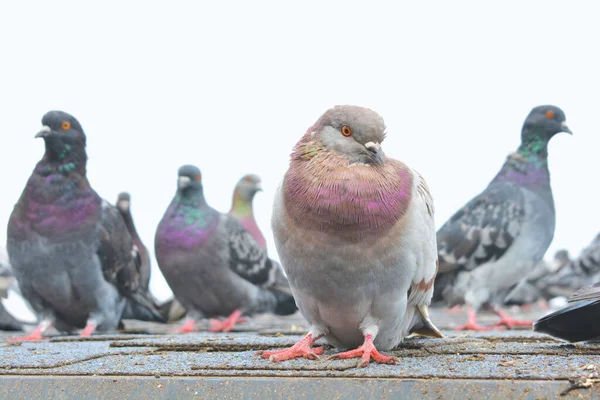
70,251
356,236
212,264
242,207
503,233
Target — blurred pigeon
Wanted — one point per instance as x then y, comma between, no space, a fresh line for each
577,322
211,262
241,207
124,207
7,321
356,236
70,250
172,310
534,285
502,233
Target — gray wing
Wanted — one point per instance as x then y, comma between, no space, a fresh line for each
249,260
589,260
482,230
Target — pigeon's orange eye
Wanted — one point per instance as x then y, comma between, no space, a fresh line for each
346,131
549,114
249,180
66,125
198,177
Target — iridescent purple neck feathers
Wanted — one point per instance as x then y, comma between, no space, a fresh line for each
324,192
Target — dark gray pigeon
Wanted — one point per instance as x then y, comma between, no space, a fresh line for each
124,207
70,250
577,322
500,235
212,264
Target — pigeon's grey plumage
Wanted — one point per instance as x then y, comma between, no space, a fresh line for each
500,235
7,321
212,264
124,207
356,236
70,250
576,322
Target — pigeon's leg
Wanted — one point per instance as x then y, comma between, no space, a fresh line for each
188,326
89,329
37,334
471,324
507,320
300,349
366,351
214,325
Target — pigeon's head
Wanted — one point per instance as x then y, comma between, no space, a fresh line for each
188,179
543,122
561,258
62,133
123,201
354,133
247,187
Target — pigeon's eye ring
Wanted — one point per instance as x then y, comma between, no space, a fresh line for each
66,125
346,131
549,114
198,177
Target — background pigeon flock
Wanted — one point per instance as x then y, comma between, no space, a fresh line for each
354,229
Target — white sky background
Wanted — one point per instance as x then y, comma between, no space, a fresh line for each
232,87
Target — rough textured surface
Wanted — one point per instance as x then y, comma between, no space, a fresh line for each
497,364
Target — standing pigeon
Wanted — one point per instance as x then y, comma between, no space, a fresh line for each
211,262
73,258
124,207
577,322
500,235
356,236
241,207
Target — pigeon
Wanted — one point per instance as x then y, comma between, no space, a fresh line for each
241,207
534,285
124,207
577,322
172,310
355,233
70,251
501,234
7,321
212,264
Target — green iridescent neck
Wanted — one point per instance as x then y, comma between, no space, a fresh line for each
533,146
240,206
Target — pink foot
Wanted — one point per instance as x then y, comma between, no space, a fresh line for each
508,321
189,326
543,304
526,307
366,351
300,349
88,330
227,325
36,335
472,324
454,310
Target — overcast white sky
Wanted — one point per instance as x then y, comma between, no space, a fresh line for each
231,88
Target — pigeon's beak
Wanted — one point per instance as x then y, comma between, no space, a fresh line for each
377,153
123,205
183,182
565,128
44,132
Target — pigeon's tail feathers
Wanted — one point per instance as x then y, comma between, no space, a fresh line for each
426,326
139,306
575,323
172,310
285,303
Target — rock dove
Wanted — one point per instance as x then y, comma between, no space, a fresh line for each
212,264
124,207
7,321
241,207
534,285
577,322
356,236
500,235
172,310
70,250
